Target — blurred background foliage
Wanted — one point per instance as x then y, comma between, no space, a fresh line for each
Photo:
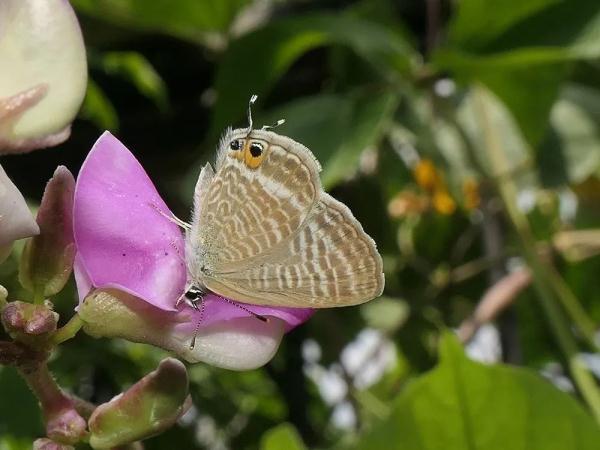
464,135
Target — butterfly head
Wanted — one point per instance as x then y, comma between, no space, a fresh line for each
248,150
247,144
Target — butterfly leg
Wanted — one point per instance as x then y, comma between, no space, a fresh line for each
176,220
198,305
252,313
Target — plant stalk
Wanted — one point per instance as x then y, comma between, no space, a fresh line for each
545,281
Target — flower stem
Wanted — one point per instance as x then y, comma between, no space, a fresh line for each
547,283
68,331
63,422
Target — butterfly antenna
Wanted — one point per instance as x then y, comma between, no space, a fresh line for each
275,125
252,313
253,99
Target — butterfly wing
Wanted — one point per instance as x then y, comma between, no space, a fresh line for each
329,262
262,192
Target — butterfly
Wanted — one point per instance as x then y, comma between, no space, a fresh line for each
264,232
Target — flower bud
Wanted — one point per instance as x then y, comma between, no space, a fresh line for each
49,444
149,407
25,320
41,43
66,425
15,218
47,259
3,297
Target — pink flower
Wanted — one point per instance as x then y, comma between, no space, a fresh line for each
125,244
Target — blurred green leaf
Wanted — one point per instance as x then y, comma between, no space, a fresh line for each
255,61
187,19
469,116
98,109
525,63
564,30
283,436
337,128
9,442
474,24
24,421
527,88
571,151
463,404
136,69
385,313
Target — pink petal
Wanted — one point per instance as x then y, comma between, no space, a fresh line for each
217,309
123,242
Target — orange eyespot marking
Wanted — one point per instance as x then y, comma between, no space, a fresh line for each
254,154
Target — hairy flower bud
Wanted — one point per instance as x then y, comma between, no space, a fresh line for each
23,320
49,444
149,407
47,260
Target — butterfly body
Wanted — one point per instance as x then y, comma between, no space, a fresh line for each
264,232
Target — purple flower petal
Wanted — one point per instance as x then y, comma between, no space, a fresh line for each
123,242
122,239
217,309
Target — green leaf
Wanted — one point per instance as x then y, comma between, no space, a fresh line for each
255,61
24,421
571,151
523,57
136,69
566,29
337,128
553,30
462,404
283,436
527,84
470,116
187,19
473,25
385,313
98,109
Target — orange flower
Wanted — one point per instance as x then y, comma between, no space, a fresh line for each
471,195
432,181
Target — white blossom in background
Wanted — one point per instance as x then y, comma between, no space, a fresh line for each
567,205
555,373
43,73
364,361
485,345
16,220
526,199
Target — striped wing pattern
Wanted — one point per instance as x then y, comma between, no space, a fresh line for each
266,233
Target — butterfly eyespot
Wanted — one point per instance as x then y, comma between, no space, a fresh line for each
256,149
235,144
